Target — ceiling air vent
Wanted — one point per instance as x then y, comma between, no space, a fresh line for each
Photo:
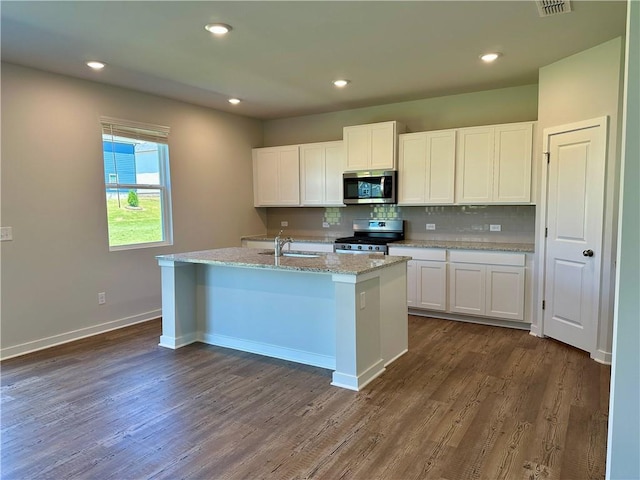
546,8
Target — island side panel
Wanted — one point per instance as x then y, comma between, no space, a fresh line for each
278,313
179,325
394,314
358,350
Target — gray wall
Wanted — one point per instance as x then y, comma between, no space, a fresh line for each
623,457
505,105
53,197
581,87
453,223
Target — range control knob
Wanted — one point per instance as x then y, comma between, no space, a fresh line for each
359,247
348,246
370,247
377,248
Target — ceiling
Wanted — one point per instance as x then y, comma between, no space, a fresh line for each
281,57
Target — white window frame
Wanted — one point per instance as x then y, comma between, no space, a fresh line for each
157,134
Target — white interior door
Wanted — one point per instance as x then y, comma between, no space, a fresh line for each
575,209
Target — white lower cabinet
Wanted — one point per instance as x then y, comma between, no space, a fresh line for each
431,285
467,288
487,284
504,292
478,283
426,277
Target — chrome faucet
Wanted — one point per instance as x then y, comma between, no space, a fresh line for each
279,243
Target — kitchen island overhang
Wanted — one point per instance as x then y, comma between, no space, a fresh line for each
347,313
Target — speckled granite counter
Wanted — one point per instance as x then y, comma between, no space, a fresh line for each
452,245
258,258
347,313
448,244
296,238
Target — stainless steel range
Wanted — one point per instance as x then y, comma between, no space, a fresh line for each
370,236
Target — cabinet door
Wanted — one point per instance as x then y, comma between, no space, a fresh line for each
334,166
467,288
440,167
474,165
357,142
289,177
505,292
265,177
383,146
412,285
276,176
431,285
512,164
312,174
412,169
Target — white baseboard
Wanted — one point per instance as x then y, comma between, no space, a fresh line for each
177,342
601,356
41,344
275,351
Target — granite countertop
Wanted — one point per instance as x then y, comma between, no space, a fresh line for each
457,245
296,238
259,258
448,244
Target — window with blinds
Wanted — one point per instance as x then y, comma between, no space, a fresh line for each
137,186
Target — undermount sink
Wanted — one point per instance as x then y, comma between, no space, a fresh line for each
293,254
301,255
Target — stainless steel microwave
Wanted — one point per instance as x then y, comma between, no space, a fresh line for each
371,186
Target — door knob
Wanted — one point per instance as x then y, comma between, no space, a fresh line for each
587,253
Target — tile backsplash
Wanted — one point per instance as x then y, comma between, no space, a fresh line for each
462,223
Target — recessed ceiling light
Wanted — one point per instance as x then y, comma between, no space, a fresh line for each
95,65
490,57
218,28
341,83
234,101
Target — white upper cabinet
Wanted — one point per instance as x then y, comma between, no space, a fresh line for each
512,163
427,168
493,164
321,167
372,146
276,176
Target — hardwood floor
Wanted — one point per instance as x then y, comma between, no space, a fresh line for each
467,401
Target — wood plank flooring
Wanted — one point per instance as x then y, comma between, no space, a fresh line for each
467,402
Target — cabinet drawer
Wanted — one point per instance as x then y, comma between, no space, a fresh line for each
433,254
487,258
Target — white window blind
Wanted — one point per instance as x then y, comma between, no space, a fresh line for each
139,131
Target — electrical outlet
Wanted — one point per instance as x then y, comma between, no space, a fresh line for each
363,300
6,234
102,298
495,228
431,226
325,224
284,223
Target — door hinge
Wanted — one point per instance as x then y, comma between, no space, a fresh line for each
546,232
548,156
543,304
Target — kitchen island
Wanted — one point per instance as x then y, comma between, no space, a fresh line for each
347,313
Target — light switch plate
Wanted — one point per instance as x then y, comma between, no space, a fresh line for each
495,228
325,224
6,234
431,226
284,223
